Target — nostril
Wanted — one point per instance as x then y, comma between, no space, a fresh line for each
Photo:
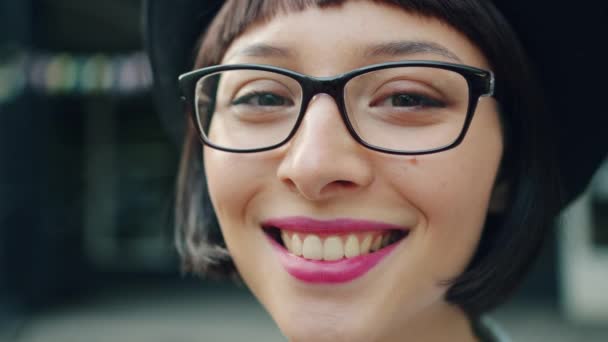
290,184
345,183
338,185
341,185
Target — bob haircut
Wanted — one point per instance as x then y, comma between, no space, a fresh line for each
511,237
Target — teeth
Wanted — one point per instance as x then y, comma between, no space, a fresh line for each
296,245
366,244
331,248
286,240
312,248
351,248
377,243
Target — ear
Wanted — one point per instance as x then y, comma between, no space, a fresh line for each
499,197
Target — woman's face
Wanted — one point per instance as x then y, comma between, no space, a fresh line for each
324,187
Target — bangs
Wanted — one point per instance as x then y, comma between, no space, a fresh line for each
236,16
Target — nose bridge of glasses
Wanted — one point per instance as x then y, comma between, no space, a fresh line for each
323,127
323,118
332,86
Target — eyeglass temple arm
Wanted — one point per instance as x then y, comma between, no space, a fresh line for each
490,85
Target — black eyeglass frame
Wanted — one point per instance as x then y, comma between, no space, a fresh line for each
481,83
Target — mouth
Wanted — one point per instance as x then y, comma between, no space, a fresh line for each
331,251
332,247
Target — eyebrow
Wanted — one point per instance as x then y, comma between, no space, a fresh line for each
391,49
409,47
264,50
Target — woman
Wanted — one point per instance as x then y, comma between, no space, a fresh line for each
372,170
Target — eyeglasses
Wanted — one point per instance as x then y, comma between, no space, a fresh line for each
409,108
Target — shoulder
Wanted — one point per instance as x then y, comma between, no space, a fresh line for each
488,330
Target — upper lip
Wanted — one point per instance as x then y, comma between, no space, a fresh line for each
334,226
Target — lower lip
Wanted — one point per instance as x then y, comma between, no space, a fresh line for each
332,272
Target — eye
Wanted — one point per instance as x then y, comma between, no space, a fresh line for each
263,99
407,100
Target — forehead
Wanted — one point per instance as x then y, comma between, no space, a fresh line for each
345,35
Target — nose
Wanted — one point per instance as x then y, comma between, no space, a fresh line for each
323,160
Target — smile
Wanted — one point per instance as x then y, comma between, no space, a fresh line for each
335,251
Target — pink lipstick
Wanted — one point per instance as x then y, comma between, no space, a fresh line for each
342,270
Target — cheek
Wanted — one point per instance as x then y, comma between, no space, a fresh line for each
451,192
230,189
225,189
458,206
232,180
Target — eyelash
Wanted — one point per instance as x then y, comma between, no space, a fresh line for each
247,97
426,100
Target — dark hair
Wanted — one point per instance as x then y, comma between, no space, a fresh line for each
510,240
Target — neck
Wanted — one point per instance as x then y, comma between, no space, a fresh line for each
443,322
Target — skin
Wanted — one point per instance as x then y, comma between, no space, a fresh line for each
324,173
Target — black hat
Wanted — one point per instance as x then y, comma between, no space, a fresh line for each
566,43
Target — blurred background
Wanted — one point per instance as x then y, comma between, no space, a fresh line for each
86,183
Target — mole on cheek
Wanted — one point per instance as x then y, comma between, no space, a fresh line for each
413,161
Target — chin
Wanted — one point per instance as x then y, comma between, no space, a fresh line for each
326,324
324,332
